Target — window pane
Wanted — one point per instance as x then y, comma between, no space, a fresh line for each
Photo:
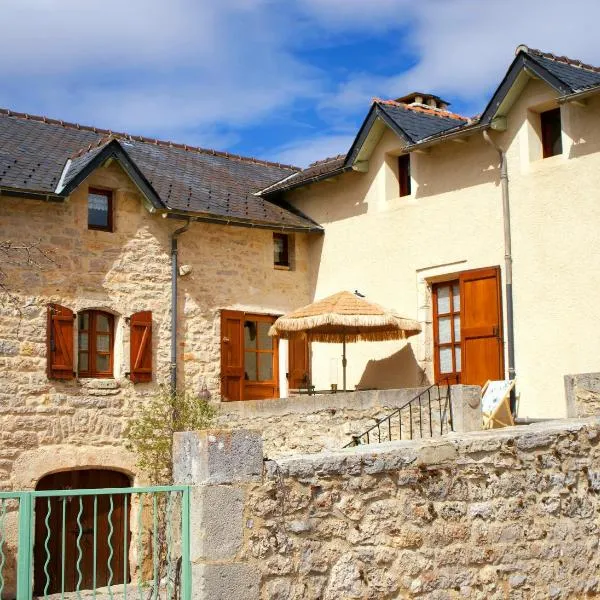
264,341
102,323
457,357
280,250
457,328
84,321
443,300
444,324
98,210
83,361
456,297
250,366
83,341
446,360
102,363
103,343
249,334
265,371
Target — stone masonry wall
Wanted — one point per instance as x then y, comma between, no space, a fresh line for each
308,424
48,425
582,393
510,513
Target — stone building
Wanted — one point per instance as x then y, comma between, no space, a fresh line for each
412,216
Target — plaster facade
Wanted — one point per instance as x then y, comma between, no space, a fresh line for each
48,425
394,248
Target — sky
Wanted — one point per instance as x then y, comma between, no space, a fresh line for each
283,80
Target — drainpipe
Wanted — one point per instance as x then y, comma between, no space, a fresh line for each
507,260
174,236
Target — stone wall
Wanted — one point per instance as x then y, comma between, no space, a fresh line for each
582,392
307,424
499,514
124,271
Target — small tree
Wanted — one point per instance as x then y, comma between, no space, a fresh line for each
150,434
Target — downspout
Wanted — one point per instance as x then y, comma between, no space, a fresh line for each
507,260
174,237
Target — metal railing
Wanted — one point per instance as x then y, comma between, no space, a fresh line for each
428,413
126,541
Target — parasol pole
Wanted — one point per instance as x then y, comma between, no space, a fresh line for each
344,361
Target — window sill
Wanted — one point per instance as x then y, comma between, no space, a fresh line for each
99,383
282,267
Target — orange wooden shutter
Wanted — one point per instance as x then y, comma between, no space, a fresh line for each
59,334
299,365
481,326
140,346
232,354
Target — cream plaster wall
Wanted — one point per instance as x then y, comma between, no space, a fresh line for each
391,248
81,422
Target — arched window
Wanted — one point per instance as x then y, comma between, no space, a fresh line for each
95,344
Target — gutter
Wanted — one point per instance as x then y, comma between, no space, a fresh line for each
174,251
507,262
16,193
578,95
239,223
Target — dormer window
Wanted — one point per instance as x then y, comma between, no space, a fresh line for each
100,210
551,132
404,174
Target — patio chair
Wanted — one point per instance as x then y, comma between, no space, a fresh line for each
495,404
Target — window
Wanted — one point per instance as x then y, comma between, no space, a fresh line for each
446,331
551,132
95,344
404,174
259,349
100,210
281,249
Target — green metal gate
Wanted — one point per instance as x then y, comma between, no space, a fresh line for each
155,545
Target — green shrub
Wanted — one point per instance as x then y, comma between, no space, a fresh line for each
150,433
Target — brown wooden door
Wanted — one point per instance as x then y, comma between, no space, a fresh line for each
79,479
232,354
481,326
298,363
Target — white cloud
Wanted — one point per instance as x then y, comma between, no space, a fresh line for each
303,152
464,46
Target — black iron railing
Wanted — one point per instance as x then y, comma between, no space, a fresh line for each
428,414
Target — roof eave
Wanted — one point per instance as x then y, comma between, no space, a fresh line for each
114,150
315,179
523,63
238,222
374,114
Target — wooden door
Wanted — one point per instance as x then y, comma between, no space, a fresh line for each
481,326
79,479
232,354
298,363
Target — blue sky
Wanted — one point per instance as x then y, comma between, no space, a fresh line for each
286,80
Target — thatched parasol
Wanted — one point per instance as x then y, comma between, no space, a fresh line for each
344,317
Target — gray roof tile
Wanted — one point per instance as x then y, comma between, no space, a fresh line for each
34,151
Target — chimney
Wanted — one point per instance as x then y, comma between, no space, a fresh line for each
422,99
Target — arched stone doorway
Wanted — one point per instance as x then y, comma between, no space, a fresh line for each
65,572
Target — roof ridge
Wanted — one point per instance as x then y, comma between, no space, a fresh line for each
572,62
428,110
140,138
323,161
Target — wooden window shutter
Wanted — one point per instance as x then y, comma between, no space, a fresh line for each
141,346
59,339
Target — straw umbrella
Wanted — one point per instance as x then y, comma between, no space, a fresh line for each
344,317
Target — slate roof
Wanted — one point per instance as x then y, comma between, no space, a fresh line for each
573,73
421,123
34,152
321,169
